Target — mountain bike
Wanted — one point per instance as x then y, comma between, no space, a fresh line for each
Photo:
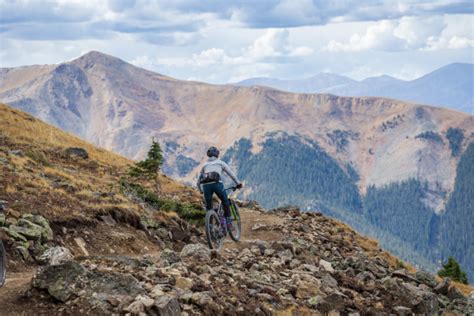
3,258
216,230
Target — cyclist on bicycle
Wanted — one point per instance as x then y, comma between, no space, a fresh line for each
209,182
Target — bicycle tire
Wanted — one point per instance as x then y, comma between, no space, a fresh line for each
236,222
3,264
215,240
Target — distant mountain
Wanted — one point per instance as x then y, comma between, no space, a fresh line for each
313,84
451,86
355,158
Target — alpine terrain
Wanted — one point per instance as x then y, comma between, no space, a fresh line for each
399,171
84,237
449,86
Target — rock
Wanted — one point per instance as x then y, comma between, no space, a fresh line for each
45,231
58,280
455,294
170,255
23,251
315,301
420,300
2,219
167,306
426,278
136,308
258,226
443,286
184,283
55,255
402,274
402,311
109,220
77,152
16,152
82,245
326,265
306,290
177,234
33,233
71,279
13,234
201,299
328,281
198,251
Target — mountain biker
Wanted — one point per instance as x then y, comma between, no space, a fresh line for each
209,182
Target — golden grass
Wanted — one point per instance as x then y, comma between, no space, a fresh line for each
25,129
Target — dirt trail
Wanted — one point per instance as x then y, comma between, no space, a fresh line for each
10,294
250,218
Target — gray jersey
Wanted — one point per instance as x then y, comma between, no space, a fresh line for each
217,165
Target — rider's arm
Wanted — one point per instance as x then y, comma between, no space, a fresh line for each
198,184
229,172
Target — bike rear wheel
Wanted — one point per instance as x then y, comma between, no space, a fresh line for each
3,264
235,233
215,237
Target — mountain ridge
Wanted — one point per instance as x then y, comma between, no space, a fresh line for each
421,90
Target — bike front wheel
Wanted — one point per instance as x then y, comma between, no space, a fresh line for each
236,230
3,264
214,235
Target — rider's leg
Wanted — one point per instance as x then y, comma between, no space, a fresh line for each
208,191
222,194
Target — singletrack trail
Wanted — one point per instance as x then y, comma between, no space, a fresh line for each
10,294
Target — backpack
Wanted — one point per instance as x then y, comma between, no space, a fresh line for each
209,177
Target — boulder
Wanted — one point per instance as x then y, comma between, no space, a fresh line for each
167,306
32,224
31,233
443,286
70,279
198,251
77,152
326,265
426,278
13,234
55,255
170,255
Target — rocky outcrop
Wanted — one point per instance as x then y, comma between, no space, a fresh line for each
317,266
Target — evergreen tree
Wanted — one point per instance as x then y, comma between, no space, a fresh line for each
151,165
453,270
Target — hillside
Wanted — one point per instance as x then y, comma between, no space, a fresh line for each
449,86
355,155
127,255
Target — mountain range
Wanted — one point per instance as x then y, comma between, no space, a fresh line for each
388,167
449,86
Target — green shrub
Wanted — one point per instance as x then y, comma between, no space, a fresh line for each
188,211
452,270
151,165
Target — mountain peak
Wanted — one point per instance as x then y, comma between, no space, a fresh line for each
96,57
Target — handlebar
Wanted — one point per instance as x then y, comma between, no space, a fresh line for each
234,188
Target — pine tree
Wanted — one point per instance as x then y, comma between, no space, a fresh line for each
151,165
453,270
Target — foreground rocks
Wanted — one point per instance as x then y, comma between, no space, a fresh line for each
315,267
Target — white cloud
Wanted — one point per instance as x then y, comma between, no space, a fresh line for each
407,33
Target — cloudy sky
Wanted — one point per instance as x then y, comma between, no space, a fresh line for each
227,41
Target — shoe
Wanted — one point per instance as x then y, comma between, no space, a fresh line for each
229,225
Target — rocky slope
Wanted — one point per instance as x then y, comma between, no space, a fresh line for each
97,248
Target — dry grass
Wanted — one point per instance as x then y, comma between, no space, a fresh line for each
44,180
22,128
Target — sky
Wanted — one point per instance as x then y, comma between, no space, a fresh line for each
228,41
